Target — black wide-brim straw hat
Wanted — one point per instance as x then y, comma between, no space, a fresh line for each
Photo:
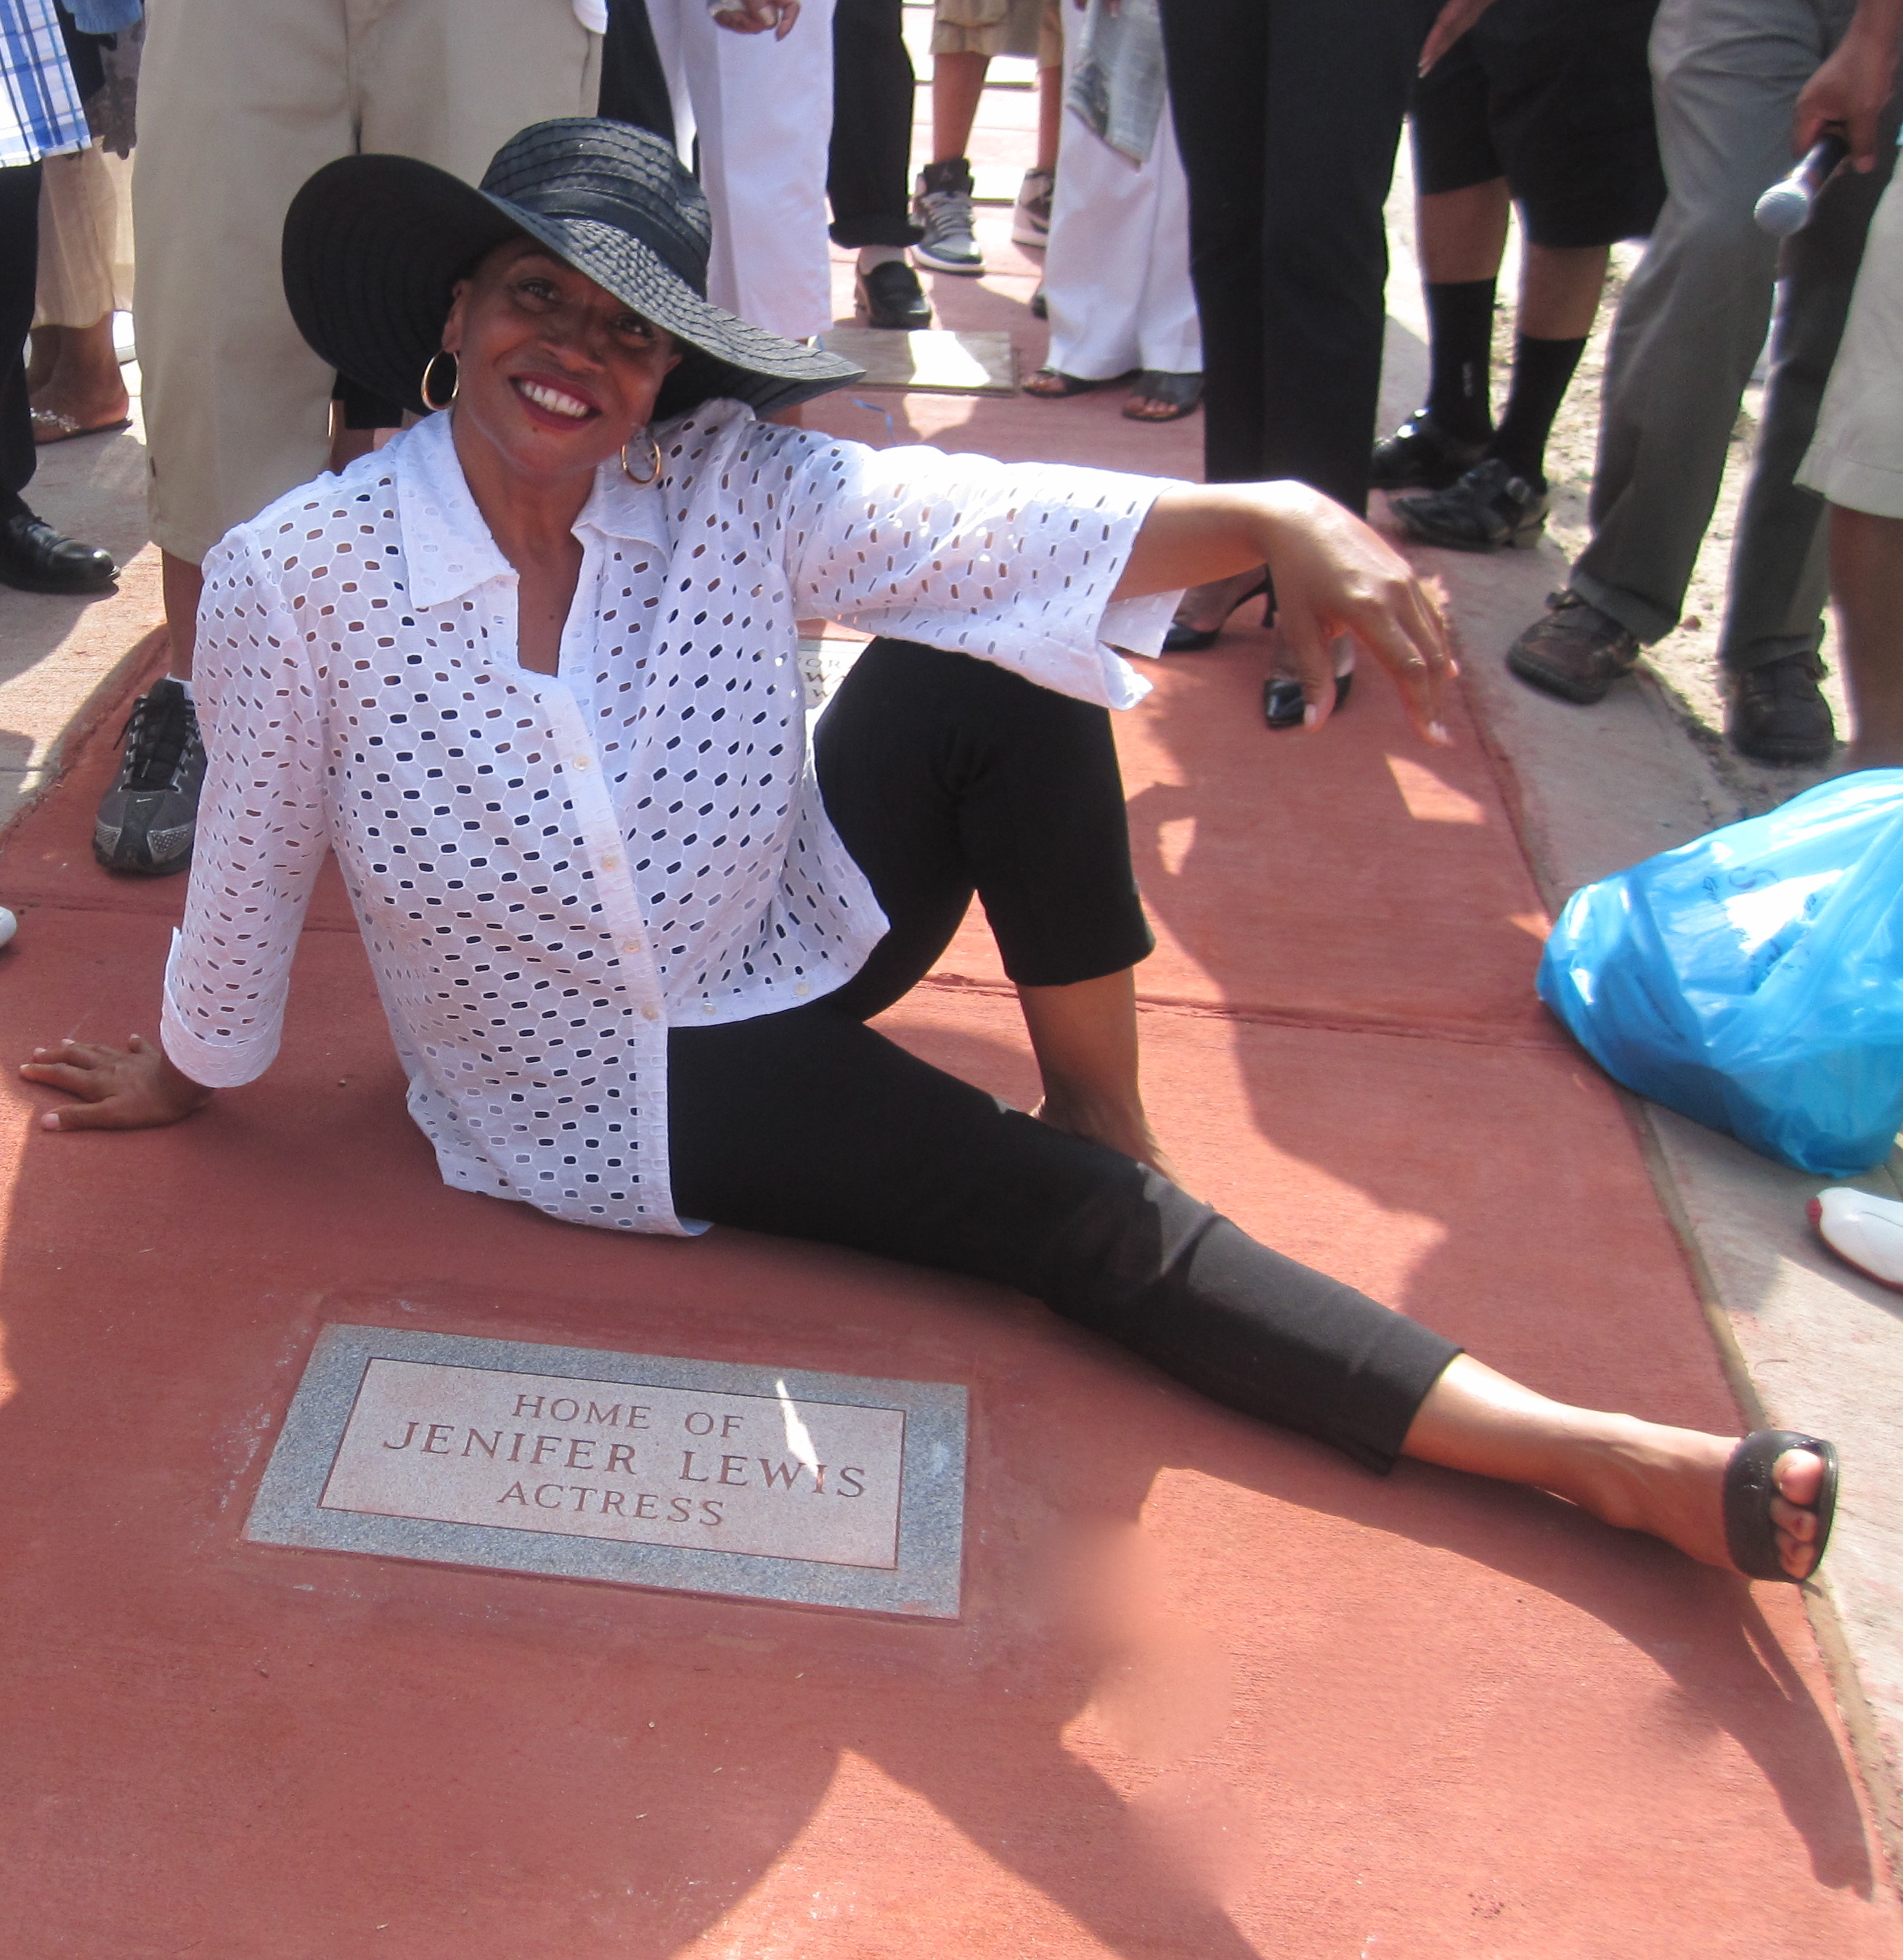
374,245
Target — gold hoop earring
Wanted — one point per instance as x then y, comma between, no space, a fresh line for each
654,474
429,370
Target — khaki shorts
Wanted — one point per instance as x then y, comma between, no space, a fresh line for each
1022,27
239,102
1857,459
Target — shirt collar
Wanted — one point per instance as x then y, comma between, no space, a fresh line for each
447,547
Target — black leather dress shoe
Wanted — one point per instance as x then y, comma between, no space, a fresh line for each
890,295
1421,455
35,557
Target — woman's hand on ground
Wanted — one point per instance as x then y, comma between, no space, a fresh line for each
133,1088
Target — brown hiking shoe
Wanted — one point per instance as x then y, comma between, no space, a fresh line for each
1777,713
1576,652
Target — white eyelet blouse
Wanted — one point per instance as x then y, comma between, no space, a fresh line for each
549,872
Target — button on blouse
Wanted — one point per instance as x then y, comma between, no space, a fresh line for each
549,870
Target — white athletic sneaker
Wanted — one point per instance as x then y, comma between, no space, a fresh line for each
1866,1232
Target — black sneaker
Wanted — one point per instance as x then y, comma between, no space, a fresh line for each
1489,507
890,295
1777,712
1421,455
147,818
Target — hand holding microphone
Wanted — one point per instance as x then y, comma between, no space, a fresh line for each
1787,206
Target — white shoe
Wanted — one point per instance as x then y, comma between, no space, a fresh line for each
1031,215
1866,1232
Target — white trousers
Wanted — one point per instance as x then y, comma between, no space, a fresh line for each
763,110
1116,271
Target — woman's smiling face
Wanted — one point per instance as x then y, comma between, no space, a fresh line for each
554,373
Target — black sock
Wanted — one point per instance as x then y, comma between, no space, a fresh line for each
1460,337
1542,372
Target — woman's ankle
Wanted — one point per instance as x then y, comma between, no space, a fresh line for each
1204,607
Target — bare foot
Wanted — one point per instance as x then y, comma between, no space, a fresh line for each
1205,607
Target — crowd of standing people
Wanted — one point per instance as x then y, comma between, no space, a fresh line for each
1207,190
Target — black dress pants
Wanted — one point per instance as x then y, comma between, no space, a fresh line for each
633,85
1288,113
870,157
19,274
943,775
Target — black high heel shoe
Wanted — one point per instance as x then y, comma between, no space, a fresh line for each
1283,705
1181,639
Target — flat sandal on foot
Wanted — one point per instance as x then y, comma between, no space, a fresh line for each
1161,396
1750,1536
1061,386
49,425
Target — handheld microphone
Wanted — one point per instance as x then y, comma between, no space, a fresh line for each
1787,206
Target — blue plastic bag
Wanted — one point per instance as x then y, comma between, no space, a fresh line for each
1754,979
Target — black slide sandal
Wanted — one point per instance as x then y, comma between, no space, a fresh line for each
1750,1536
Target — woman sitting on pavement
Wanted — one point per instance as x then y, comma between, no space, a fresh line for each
531,670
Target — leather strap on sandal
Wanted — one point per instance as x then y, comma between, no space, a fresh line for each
1751,1537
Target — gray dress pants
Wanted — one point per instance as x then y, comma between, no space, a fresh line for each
1726,75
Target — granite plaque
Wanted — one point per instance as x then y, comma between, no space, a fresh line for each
644,1470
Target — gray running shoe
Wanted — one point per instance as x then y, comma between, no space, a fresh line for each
148,818
942,210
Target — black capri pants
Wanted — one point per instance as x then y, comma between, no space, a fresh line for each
944,775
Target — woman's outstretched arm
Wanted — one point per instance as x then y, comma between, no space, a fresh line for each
1332,573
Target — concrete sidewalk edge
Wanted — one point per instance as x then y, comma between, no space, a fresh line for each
1591,791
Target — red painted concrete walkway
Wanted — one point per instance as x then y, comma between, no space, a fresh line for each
1215,1693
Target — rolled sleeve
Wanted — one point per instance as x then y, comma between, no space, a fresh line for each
1013,563
263,828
